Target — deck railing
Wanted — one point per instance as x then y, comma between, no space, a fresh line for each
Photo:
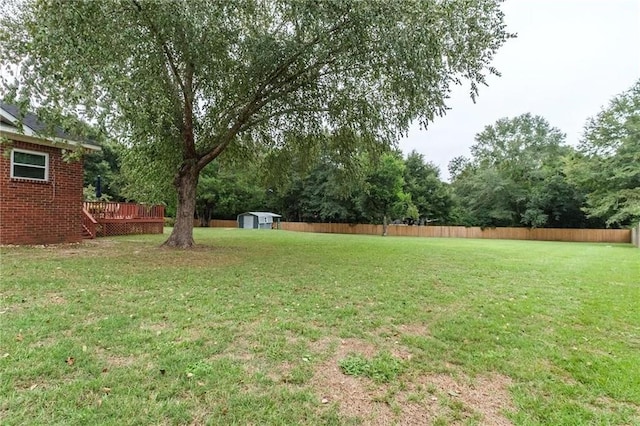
110,210
123,218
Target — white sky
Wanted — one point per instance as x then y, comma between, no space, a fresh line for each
569,59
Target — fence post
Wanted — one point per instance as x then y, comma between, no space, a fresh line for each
635,235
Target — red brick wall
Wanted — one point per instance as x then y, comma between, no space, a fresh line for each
34,212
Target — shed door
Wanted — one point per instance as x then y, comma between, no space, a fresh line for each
247,221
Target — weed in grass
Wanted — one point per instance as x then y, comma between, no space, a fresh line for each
441,421
382,368
355,365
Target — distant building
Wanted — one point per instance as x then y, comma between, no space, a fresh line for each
258,220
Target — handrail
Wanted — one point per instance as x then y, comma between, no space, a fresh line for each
89,223
88,216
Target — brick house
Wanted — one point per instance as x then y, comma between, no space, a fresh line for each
40,192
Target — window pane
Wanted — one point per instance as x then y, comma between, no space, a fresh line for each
28,172
25,158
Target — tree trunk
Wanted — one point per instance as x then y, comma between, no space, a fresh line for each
186,182
384,225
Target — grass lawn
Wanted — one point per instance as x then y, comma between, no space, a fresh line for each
275,327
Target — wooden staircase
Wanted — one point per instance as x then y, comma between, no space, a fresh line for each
88,225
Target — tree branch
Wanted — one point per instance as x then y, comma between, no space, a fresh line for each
284,66
188,138
163,46
261,97
268,117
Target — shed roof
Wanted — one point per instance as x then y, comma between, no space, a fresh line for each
263,214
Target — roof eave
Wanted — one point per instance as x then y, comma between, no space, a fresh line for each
46,141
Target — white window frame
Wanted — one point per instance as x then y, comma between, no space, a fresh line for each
25,151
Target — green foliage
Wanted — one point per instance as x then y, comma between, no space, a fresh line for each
326,194
382,368
105,163
516,177
609,163
383,194
431,198
182,82
89,194
226,190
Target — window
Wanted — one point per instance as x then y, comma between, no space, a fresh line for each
29,165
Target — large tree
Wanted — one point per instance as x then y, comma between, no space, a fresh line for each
383,195
183,82
429,194
609,165
516,176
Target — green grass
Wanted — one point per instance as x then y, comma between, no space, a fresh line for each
240,330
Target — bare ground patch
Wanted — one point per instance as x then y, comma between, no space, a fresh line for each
399,330
39,301
354,397
157,327
55,299
607,404
487,396
115,361
417,401
136,251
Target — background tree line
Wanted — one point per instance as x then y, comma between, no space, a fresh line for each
521,172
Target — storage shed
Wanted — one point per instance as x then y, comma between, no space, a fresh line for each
258,220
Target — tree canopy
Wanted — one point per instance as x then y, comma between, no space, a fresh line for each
432,199
383,194
516,177
609,165
182,82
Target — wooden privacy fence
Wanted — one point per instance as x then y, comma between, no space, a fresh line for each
541,234
220,223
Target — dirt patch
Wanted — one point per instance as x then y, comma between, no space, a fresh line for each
367,349
55,299
355,397
321,346
199,256
487,396
45,343
397,331
32,385
134,252
417,401
38,301
156,328
607,404
414,329
115,361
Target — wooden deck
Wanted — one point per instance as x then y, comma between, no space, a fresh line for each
101,219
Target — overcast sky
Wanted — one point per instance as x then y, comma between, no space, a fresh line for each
569,59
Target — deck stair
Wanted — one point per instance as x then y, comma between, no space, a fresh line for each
89,225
